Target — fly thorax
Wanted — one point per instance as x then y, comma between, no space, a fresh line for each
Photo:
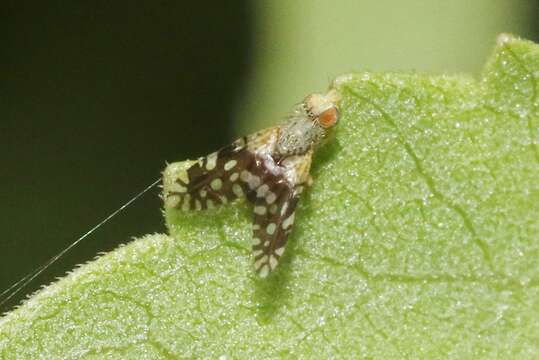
298,137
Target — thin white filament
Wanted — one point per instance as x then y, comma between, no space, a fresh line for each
20,284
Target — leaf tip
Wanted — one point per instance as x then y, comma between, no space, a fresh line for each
341,80
504,39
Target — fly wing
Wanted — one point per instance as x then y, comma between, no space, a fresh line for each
247,167
272,224
275,202
214,179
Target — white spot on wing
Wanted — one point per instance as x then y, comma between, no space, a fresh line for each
253,182
264,272
240,143
211,161
216,184
283,210
271,197
183,177
245,175
270,229
257,252
288,221
236,188
273,262
279,251
230,164
262,190
260,210
261,261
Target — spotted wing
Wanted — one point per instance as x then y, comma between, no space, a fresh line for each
275,202
214,179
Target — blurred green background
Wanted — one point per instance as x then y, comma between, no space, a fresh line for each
95,97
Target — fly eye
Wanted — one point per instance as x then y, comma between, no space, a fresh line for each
329,117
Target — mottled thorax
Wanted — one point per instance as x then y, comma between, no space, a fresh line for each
308,124
298,136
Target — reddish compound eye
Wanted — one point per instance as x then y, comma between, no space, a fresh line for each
329,117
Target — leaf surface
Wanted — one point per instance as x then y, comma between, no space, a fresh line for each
418,239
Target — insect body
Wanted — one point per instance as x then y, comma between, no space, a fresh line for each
270,168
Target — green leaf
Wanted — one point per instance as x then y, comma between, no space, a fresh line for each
419,238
